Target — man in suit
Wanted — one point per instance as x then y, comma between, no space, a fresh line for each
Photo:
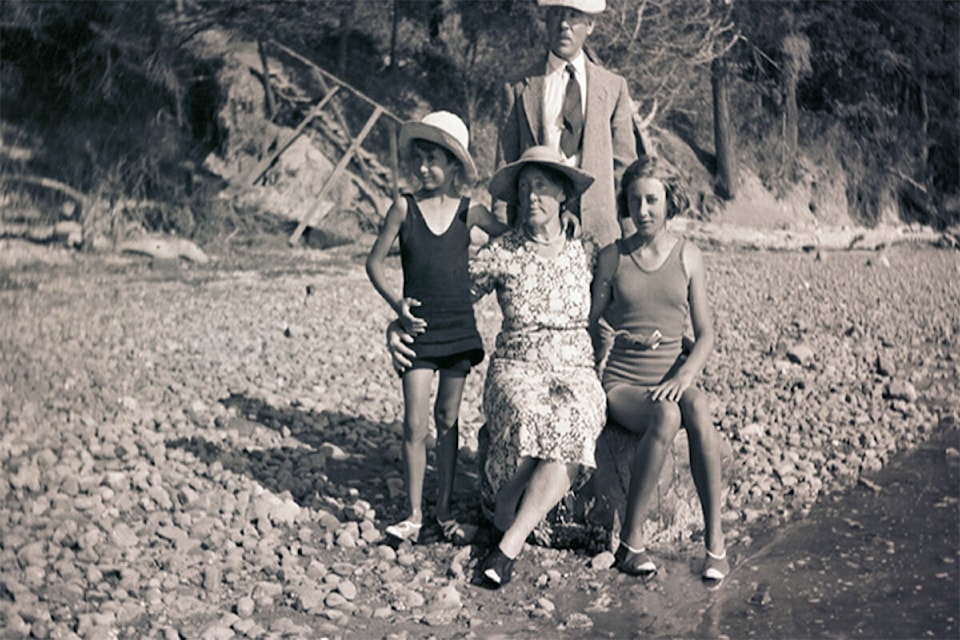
569,103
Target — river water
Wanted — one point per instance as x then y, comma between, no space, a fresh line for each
878,561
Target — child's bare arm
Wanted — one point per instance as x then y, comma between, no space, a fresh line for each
378,254
480,216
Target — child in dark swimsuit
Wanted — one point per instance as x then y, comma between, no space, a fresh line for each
646,286
433,225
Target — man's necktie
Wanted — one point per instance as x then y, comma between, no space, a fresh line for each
572,116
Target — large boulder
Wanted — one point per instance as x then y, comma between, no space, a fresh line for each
590,516
675,512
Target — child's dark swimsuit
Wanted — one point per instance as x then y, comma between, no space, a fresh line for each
435,273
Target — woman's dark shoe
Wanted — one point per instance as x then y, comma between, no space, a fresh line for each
634,562
498,568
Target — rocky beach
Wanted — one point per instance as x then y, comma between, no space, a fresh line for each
212,451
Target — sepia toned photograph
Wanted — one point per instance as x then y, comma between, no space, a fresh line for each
479,319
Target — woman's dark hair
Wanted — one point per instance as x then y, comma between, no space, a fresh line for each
653,167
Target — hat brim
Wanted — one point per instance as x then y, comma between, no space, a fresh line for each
592,7
503,185
411,131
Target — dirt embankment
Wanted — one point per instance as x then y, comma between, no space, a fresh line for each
212,451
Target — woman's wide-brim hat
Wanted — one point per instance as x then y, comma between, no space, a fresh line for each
586,6
444,129
503,185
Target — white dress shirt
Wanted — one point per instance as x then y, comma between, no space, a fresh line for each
554,90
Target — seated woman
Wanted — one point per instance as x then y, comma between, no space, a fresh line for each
647,286
543,402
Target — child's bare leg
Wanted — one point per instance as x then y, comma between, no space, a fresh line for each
658,423
446,415
416,422
704,463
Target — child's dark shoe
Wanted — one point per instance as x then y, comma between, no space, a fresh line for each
497,568
634,562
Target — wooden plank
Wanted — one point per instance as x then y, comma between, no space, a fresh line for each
344,161
257,172
362,158
338,81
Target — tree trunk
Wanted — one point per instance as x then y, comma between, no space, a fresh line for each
723,134
267,89
791,122
924,131
346,24
393,36
437,15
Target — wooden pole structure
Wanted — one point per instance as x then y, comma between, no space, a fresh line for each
257,172
344,161
325,75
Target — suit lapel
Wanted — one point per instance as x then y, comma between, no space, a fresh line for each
596,99
533,104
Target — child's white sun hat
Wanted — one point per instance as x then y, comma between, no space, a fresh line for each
444,129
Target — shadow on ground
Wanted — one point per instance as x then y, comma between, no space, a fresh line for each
346,458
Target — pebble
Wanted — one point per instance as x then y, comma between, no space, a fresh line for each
447,597
347,589
800,354
602,561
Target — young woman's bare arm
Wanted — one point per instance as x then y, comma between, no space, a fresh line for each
702,320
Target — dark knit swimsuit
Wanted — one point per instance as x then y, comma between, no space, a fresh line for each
435,273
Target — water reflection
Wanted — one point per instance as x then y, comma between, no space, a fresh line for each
879,561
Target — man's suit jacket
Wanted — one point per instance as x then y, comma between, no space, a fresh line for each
608,145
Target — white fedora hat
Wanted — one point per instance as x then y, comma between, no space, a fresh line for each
444,129
586,6
503,185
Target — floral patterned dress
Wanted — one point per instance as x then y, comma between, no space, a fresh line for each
542,397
